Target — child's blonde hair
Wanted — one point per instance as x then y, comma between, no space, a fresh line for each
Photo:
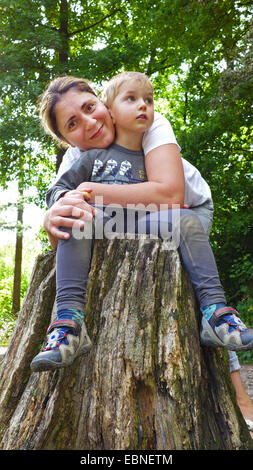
52,95
111,89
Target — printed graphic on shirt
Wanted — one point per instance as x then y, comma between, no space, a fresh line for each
125,172
113,172
98,165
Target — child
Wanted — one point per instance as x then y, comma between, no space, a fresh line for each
131,106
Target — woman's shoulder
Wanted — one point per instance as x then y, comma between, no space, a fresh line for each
160,120
72,154
159,133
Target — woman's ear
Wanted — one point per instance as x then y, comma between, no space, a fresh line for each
66,142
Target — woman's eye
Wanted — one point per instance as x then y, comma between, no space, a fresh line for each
90,107
72,125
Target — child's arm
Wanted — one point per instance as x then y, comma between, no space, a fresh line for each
165,183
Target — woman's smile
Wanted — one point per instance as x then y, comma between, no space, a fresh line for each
98,132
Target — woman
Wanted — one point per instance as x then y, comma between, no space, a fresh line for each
74,115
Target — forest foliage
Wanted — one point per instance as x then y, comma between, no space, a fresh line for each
197,53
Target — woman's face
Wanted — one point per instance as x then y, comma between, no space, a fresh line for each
83,120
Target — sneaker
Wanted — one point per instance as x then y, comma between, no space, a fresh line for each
230,333
66,340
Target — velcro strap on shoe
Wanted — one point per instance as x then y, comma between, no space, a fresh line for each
221,312
64,323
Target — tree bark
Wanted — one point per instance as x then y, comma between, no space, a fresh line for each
18,254
145,384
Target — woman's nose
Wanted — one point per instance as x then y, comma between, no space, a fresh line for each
88,121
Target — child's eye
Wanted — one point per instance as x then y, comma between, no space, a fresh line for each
149,100
130,98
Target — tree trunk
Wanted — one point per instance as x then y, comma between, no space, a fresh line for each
145,384
18,254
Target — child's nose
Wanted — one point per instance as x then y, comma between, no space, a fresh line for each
142,104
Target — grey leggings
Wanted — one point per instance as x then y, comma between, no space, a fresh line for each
206,218
74,255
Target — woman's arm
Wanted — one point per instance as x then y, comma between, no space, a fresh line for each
164,166
165,183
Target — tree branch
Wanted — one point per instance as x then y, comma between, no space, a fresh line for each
81,30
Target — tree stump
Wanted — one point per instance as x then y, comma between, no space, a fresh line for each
145,384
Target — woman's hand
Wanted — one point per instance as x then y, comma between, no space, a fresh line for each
72,204
85,189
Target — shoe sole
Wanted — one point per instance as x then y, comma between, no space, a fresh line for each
209,338
42,364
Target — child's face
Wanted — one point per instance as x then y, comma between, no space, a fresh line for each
133,109
84,121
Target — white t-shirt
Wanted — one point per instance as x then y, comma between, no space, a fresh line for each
197,191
